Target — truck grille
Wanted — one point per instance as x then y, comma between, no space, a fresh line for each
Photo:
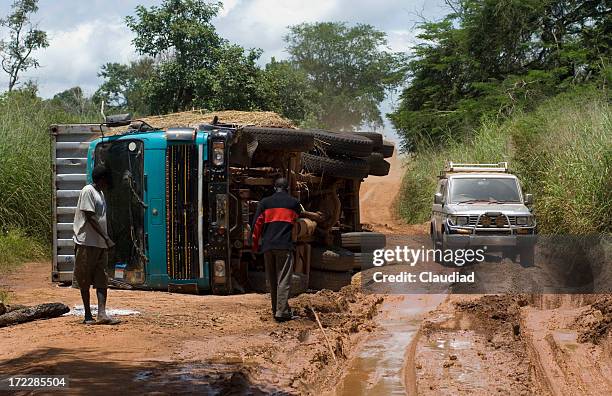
181,211
473,221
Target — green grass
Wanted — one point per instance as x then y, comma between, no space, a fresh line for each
489,144
561,151
25,175
25,162
16,248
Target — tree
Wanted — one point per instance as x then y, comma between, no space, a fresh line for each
124,86
288,91
74,101
349,69
194,66
488,58
24,38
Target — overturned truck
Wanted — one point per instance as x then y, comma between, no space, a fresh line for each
182,200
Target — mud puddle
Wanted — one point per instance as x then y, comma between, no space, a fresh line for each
378,367
200,378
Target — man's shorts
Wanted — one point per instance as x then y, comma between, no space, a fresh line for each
90,267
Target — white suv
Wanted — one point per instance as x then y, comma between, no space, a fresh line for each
478,205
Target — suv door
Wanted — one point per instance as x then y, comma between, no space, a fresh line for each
438,211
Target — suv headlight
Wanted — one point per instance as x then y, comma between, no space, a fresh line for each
524,220
459,220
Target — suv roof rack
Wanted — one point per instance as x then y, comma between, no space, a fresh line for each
451,167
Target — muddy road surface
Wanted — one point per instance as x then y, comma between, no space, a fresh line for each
179,343
392,342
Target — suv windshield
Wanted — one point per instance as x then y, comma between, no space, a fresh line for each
487,189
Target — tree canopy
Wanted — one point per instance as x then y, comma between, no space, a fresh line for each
488,58
24,37
348,67
193,66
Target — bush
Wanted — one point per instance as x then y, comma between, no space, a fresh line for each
561,151
16,247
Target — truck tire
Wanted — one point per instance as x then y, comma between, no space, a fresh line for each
335,259
348,144
387,149
363,242
282,139
376,138
329,280
346,168
363,261
299,284
378,166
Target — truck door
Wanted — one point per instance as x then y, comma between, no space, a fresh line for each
69,146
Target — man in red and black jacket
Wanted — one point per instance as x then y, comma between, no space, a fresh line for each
272,227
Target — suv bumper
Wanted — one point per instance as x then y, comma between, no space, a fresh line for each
454,241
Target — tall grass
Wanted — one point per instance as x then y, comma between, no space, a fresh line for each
561,151
25,175
489,144
16,247
25,162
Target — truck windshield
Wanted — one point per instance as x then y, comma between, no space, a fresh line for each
487,189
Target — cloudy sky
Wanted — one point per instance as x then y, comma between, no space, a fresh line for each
84,34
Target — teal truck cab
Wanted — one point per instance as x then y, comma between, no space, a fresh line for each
181,202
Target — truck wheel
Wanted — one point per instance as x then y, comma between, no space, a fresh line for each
258,283
329,280
348,144
387,149
353,168
299,284
363,261
376,138
378,166
282,139
527,256
336,259
363,242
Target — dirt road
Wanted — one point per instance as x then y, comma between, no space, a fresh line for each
391,343
188,343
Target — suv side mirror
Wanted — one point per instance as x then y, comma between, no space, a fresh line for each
438,198
528,199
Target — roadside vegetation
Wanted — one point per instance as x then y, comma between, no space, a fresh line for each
562,152
521,81
25,172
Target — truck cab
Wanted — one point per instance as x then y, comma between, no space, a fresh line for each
482,205
167,207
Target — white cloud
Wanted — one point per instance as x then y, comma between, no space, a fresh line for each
75,55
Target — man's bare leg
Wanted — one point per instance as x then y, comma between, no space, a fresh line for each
103,318
85,297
